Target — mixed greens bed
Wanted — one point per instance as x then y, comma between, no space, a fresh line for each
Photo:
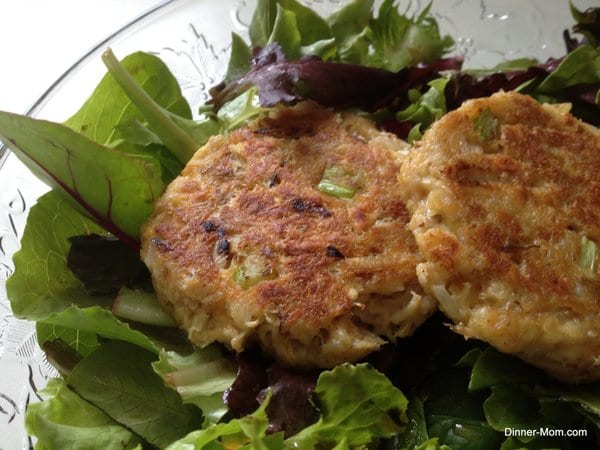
129,377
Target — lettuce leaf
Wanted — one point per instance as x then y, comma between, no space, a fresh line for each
55,426
289,23
522,397
400,41
118,378
98,159
109,117
588,25
490,368
239,58
180,135
424,108
581,66
114,157
358,406
290,408
116,189
42,283
416,432
249,432
432,444
350,27
286,31
80,342
43,288
103,264
101,322
357,403
200,378
454,415
351,34
239,110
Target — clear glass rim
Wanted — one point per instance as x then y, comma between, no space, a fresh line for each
38,104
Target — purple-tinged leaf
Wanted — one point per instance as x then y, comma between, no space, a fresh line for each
115,189
588,25
574,78
328,83
464,86
290,408
242,397
104,264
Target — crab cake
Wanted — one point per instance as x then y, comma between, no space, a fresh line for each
505,196
290,233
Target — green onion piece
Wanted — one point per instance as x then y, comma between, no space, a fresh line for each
486,125
239,276
587,254
244,280
142,307
334,189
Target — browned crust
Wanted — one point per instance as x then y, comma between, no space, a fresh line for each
257,190
500,219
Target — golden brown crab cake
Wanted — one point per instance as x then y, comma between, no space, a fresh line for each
505,196
290,233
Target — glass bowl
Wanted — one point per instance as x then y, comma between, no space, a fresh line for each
193,38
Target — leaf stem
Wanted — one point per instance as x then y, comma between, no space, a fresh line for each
173,136
142,307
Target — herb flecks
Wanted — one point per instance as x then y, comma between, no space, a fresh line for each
309,206
163,245
223,247
334,252
209,226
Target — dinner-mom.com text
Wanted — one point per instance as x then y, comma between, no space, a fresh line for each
544,432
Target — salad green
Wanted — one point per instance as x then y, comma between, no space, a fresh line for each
136,382
357,404
55,425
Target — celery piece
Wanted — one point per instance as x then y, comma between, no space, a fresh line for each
246,280
330,183
335,189
587,254
486,125
142,307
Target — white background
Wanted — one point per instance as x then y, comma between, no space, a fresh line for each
40,39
